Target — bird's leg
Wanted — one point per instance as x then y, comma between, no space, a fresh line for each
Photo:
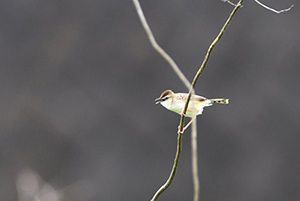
186,126
183,113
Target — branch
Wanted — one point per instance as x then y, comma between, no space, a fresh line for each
194,129
173,172
157,47
273,10
231,3
203,65
195,161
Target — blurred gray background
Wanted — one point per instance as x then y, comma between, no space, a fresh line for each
78,81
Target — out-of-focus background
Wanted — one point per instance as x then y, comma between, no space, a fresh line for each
78,81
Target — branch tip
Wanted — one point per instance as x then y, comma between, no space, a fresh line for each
272,9
231,3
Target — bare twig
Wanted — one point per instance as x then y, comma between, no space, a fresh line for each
195,162
173,172
203,65
157,47
273,10
194,136
194,133
231,3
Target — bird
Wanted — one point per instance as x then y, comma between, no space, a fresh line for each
175,102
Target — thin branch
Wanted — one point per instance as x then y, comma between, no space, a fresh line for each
194,125
195,161
203,65
173,172
273,10
231,3
157,47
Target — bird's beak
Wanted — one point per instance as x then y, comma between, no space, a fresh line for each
158,100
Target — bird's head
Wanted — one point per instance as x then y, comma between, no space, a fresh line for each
165,97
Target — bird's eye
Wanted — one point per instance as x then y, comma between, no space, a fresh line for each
164,98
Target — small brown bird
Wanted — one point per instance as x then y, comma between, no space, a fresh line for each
176,101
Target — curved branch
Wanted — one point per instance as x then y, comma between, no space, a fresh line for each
173,172
203,65
273,10
157,47
194,132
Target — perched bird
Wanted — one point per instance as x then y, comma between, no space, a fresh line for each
176,101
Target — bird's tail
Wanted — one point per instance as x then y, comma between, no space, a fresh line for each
220,101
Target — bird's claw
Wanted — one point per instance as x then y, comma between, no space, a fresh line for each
179,132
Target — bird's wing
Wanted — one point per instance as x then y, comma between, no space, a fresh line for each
198,98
